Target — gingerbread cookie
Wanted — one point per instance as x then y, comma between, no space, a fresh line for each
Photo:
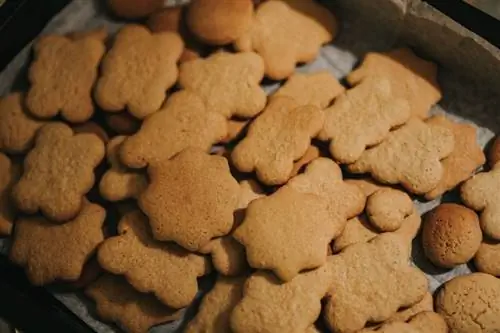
411,78
69,67
93,128
466,158
235,130
323,178
50,252
362,117
277,138
116,301
318,89
310,155
287,32
494,152
218,81
183,122
138,70
296,303
487,259
423,322
218,22
151,266
469,303
480,194
122,123
286,232
55,179
190,199
387,209
17,128
370,282
133,9
119,182
216,307
8,177
410,155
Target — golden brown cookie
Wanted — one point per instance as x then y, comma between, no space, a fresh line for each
150,266
388,208
183,122
362,117
494,152
371,281
62,76
287,32
120,182
277,138
216,307
318,89
190,199
50,252
138,70
93,128
469,303
17,127
116,301
122,123
487,259
218,81
132,9
58,172
219,22
269,305
410,155
423,322
8,177
466,158
411,78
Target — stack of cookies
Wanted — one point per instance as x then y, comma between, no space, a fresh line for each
136,170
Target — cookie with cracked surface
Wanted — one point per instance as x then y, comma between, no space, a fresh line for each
299,28
411,78
50,252
190,198
487,259
469,303
388,208
55,178
277,138
69,67
410,155
362,117
466,158
118,302
138,70
8,177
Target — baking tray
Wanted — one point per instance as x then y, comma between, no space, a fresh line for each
469,75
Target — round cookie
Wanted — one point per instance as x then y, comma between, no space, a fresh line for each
470,303
219,22
451,235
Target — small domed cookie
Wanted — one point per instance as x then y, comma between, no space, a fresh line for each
451,235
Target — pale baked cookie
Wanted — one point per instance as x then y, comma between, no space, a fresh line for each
388,208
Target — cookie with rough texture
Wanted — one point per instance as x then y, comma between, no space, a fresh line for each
494,152
362,117
150,266
183,122
466,158
190,198
122,123
318,89
403,315
411,78
216,307
423,322
370,282
286,232
50,252
469,303
451,235
120,182
227,82
277,138
487,259
411,155
62,76
132,9
138,70
8,177
93,128
58,172
17,128
116,301
387,209
481,194
217,22
287,32
228,256
323,178
235,129
310,155
268,305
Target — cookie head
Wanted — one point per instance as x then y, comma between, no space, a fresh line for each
388,208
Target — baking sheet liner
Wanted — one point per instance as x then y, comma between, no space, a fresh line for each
464,100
